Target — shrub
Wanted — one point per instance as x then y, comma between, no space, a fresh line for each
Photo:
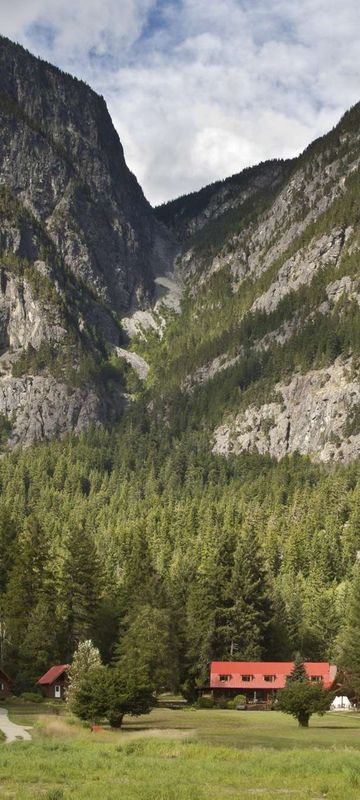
205,702
32,697
238,700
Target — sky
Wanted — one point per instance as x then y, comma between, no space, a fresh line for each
200,89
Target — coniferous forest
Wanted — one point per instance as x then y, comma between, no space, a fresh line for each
168,556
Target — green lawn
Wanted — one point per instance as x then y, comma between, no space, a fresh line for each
186,755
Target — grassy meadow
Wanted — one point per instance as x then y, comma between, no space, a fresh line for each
185,755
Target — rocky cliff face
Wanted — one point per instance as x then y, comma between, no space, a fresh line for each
79,248
316,414
62,158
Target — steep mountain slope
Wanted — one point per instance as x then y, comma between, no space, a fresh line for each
62,157
79,247
258,340
270,259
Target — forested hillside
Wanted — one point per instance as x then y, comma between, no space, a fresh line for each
144,539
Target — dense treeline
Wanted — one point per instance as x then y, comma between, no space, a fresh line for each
169,556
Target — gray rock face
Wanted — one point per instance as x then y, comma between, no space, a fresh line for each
188,215
23,320
40,407
79,247
61,156
301,268
310,415
285,249
138,363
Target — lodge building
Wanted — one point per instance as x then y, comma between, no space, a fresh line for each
260,680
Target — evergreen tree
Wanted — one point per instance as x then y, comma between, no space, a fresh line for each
80,589
298,673
247,616
26,587
301,699
40,646
349,645
110,693
149,645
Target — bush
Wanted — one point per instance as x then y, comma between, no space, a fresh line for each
189,690
238,700
205,702
32,697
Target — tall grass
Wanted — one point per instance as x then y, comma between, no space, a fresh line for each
260,755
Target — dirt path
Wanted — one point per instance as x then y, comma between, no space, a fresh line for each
11,730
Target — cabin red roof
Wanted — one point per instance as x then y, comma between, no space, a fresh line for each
53,674
265,674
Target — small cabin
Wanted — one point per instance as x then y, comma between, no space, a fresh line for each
5,685
53,684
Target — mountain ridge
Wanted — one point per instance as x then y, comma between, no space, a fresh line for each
219,291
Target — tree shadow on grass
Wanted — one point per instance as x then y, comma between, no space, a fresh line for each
339,728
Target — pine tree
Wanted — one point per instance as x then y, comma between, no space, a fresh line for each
149,645
248,613
298,673
40,646
26,586
80,589
349,660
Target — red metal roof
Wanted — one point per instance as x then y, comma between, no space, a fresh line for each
52,674
258,669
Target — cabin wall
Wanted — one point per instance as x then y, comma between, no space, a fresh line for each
49,690
5,688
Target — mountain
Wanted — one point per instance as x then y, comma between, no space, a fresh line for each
267,342
80,247
241,300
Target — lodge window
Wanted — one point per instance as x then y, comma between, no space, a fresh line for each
269,678
316,678
225,678
247,678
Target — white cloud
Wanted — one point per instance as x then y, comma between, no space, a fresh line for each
199,89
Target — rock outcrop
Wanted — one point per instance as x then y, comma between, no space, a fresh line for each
40,407
316,414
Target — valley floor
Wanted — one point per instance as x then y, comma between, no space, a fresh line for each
185,755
